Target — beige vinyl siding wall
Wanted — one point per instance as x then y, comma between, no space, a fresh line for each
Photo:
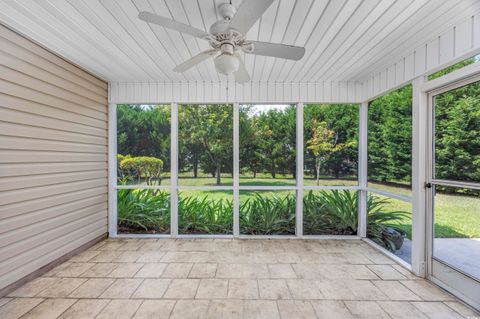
53,157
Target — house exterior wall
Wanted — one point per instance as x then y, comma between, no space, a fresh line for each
53,157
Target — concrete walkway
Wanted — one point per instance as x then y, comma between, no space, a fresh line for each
460,253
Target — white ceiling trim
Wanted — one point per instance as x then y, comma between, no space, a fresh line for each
460,41
221,92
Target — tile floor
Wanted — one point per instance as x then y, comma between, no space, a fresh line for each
223,278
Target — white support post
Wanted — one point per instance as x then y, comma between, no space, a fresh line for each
236,169
362,169
419,163
299,140
174,171
112,170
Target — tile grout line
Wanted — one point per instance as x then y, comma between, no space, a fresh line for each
136,310
135,290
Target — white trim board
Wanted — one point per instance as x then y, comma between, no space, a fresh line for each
221,92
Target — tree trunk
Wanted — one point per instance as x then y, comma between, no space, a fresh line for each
218,174
317,168
195,167
254,174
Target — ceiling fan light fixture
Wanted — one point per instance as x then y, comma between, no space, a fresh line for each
227,63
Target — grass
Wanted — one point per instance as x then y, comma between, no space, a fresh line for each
186,179
455,216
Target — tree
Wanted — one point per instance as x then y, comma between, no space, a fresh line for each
323,144
211,127
250,151
276,139
144,130
457,134
390,137
343,120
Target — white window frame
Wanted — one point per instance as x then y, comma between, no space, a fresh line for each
366,189
174,188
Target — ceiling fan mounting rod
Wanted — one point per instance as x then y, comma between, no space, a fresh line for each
227,10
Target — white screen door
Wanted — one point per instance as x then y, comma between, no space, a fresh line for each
453,189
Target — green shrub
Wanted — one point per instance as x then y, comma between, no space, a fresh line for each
145,211
204,216
268,215
141,167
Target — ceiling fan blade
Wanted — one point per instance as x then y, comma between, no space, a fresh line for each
248,13
194,61
278,50
171,24
241,76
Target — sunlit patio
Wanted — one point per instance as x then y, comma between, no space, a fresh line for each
239,159
230,278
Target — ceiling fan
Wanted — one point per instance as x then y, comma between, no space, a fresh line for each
227,37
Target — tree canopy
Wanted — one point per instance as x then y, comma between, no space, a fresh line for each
268,138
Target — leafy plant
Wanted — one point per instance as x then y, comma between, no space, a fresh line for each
145,210
330,212
325,212
336,212
205,216
268,215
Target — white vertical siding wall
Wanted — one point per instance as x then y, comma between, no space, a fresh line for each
53,157
221,92
453,45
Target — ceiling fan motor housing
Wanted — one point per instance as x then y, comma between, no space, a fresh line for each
219,27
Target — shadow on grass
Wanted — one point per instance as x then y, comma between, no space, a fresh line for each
205,193
441,231
252,192
272,183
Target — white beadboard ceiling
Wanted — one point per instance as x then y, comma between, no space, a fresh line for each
345,40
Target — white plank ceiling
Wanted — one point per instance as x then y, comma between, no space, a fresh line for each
345,40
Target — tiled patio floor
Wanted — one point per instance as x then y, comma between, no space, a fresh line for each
223,278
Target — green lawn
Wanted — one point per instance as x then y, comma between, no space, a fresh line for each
455,215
